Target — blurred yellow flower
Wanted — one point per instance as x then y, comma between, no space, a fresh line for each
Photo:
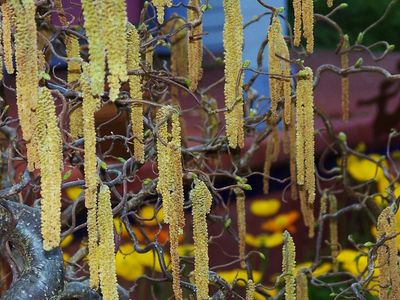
362,169
231,275
265,208
264,240
73,192
352,261
120,227
66,257
186,250
320,270
67,241
130,264
282,222
148,214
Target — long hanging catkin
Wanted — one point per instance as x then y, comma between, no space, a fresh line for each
201,199
170,184
135,87
108,277
389,276
115,42
301,286
97,54
289,266
195,46
160,6
241,220
233,43
307,13
7,23
297,22
344,64
333,233
51,162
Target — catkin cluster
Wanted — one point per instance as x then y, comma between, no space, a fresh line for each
201,199
135,87
289,266
279,67
389,276
170,184
51,164
233,43
160,5
115,42
195,51
108,277
344,64
241,219
304,18
7,24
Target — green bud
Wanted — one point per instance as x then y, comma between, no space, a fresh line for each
360,38
358,63
342,136
246,63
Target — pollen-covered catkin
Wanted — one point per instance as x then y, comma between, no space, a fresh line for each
7,23
250,290
73,52
333,232
201,199
289,266
233,43
51,162
160,6
108,277
195,46
97,54
89,106
135,87
344,64
301,286
179,47
170,184
297,22
241,219
389,277
76,122
308,23
115,42
93,243
300,168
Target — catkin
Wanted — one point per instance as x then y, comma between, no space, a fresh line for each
195,46
135,87
250,290
89,106
76,122
329,3
307,211
344,64
389,277
241,219
73,52
1,58
233,43
292,138
60,12
301,286
289,266
170,184
149,53
115,42
333,233
179,47
297,22
160,5
51,162
93,257
7,23
307,7
97,54
108,277
201,199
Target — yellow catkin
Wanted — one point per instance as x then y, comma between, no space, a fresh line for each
297,22
250,290
115,41
89,107
289,266
241,220
179,46
94,259
201,199
1,58
60,11
170,184
389,276
292,138
301,286
97,53
73,51
135,87
329,3
149,53
307,211
308,23
108,277
76,122
305,133
344,64
195,57
7,22
333,233
233,43
51,165
160,6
